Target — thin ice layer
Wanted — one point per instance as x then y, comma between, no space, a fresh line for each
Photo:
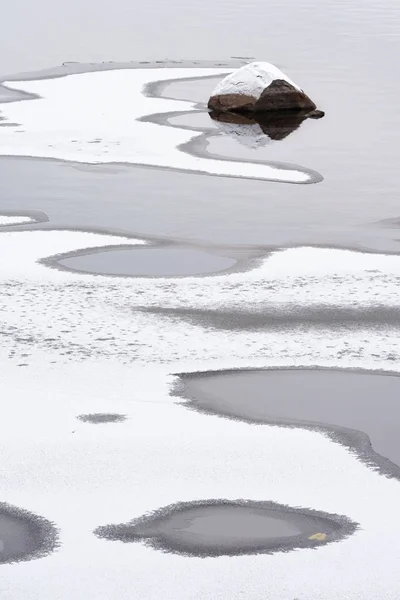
82,477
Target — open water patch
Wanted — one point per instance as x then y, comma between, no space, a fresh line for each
214,528
24,535
359,409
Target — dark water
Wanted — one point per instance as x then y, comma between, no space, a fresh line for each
15,538
23,535
345,54
102,418
353,148
149,262
331,32
218,528
321,398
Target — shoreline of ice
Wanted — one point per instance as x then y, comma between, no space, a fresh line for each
95,118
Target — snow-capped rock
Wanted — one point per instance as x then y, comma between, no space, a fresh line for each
258,87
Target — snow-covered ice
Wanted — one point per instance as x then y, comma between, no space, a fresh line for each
95,316
73,344
82,476
85,349
5,220
94,118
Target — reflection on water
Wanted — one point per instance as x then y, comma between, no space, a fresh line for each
116,132
261,126
344,55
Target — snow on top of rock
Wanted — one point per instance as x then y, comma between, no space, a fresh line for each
109,105
251,80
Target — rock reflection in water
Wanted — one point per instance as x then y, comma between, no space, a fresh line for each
259,129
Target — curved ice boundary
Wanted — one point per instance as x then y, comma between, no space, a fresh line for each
24,536
94,351
356,408
10,218
140,319
152,261
94,118
83,476
211,528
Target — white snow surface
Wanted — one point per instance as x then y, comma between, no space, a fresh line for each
93,118
86,350
251,80
98,317
14,220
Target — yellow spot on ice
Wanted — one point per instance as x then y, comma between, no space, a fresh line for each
319,537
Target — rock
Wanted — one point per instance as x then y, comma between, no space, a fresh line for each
241,103
259,87
316,114
281,95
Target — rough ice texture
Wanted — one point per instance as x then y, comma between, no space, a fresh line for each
98,317
91,352
251,80
93,118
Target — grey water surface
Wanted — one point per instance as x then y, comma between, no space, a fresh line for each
343,54
149,262
24,536
102,418
345,402
230,528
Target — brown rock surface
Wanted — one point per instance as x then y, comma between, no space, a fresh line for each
281,96
232,103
